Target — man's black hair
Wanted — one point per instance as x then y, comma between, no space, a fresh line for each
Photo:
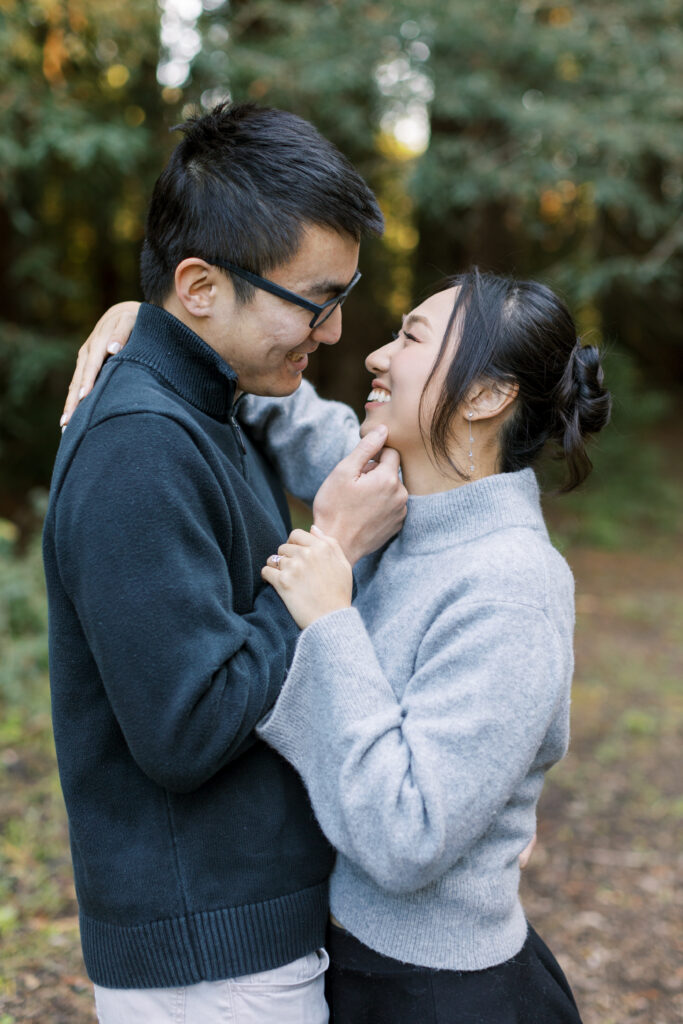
241,186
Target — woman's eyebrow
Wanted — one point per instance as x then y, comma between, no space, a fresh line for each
416,318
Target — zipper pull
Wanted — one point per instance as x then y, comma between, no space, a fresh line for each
238,434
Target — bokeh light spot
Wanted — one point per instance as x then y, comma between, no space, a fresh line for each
117,76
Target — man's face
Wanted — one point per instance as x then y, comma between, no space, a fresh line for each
267,340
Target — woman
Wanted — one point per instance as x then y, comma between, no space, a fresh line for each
424,714
423,717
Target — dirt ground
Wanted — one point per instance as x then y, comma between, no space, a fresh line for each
601,888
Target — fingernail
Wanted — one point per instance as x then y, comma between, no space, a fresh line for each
317,531
64,428
113,348
63,420
81,393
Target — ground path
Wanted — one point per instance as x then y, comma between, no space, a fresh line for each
602,886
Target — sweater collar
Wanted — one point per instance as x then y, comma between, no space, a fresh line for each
186,363
472,510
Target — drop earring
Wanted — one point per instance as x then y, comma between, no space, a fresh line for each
471,452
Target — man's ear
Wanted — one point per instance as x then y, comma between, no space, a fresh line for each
489,399
196,286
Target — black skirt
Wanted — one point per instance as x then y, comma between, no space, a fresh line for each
364,987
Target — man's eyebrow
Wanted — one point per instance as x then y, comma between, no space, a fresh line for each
325,288
416,318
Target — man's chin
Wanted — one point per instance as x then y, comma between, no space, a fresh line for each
277,389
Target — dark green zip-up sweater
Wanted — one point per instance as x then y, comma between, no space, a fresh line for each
196,854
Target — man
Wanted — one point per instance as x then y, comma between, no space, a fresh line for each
200,871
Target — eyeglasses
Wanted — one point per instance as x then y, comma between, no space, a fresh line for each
320,313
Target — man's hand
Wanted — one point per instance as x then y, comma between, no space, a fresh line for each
362,503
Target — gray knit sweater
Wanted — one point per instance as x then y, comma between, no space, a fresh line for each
423,720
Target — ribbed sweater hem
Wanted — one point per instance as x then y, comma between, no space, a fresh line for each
463,928
209,945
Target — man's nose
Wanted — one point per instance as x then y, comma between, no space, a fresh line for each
329,332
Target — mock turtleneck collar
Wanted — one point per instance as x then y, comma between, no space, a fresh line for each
472,510
187,364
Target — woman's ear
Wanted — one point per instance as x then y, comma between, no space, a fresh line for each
195,286
489,399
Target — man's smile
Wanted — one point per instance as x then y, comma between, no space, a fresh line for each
300,355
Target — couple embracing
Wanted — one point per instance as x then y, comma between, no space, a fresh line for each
301,767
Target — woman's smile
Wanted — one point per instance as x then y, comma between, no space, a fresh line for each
379,394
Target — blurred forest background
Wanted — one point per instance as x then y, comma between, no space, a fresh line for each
535,138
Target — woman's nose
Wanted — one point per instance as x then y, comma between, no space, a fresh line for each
379,360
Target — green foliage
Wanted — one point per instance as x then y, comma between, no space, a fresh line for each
79,120
555,151
34,368
556,133
82,126
23,634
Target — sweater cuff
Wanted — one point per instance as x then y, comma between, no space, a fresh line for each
335,662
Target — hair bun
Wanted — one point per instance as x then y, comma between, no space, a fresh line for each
593,402
583,407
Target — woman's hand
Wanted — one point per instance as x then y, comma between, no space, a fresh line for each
110,334
311,574
525,855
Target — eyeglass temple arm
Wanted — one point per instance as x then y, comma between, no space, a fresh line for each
267,286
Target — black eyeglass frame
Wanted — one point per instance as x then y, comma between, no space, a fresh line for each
284,293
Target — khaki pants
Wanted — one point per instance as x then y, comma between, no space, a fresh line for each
292,994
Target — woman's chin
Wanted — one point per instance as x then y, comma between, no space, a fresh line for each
366,426
370,422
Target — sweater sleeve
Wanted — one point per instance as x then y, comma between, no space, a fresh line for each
305,436
142,538
404,788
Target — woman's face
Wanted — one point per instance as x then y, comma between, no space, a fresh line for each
400,370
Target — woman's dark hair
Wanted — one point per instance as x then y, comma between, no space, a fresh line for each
241,186
520,332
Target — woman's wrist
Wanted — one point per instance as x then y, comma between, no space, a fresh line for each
322,613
